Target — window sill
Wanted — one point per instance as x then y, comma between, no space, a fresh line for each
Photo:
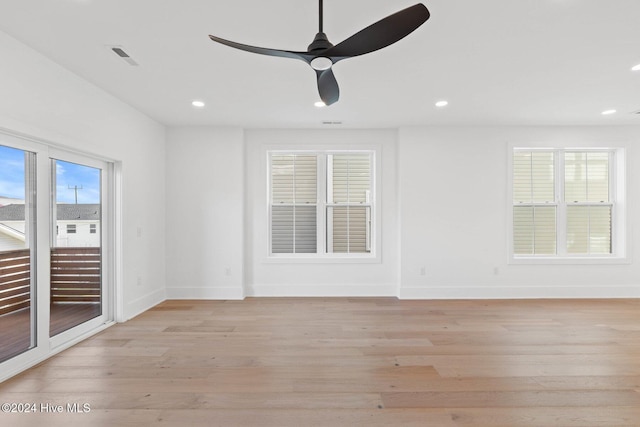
595,260
323,259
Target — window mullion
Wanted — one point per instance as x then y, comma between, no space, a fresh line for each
588,199
323,183
295,205
348,207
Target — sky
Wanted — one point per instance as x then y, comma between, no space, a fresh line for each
68,176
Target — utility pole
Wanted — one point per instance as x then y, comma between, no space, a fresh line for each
75,188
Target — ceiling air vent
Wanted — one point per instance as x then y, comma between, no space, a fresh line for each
119,50
329,122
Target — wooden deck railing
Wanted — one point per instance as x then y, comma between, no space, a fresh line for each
75,277
15,280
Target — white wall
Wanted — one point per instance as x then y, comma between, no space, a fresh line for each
45,101
444,208
205,213
454,207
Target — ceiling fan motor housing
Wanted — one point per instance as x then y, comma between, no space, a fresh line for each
320,42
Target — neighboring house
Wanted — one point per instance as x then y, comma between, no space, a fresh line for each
11,239
12,227
10,201
76,226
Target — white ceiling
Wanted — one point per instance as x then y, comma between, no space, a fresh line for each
497,62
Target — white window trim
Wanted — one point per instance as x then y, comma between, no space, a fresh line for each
618,197
322,257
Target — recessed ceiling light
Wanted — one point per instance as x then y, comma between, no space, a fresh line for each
319,104
608,112
198,104
442,103
635,68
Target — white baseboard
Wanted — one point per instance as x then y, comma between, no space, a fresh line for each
144,303
519,292
392,290
346,290
217,293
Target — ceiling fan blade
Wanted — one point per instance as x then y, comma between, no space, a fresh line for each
328,86
381,34
304,56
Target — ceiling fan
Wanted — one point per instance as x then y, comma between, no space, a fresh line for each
322,54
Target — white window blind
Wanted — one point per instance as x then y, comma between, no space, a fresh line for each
533,177
293,203
348,203
561,202
589,208
534,230
535,210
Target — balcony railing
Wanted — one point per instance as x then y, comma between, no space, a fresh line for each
75,277
15,280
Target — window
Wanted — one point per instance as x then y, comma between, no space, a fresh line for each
321,203
71,229
564,203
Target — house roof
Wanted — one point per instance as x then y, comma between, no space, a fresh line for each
65,212
12,213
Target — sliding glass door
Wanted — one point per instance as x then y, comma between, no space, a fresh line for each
76,245
56,262
17,254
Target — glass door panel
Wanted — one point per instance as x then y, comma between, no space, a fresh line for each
17,254
76,245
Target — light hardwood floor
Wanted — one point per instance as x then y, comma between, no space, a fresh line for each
349,362
15,328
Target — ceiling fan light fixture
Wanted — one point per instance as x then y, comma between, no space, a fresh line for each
321,63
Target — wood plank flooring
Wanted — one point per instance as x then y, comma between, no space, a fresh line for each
15,333
15,328
349,362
